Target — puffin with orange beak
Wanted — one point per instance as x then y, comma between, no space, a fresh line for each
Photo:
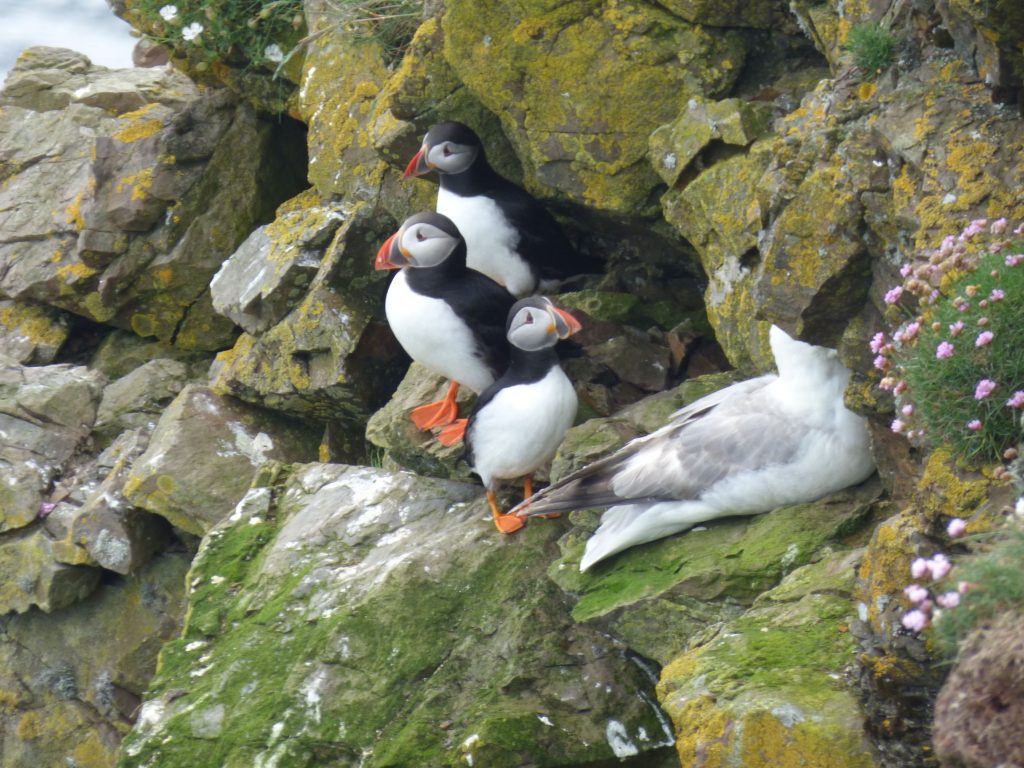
446,316
509,234
519,421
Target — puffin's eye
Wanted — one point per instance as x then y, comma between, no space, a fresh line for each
420,237
529,319
446,150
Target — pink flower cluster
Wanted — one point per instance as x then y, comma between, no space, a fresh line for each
922,280
922,597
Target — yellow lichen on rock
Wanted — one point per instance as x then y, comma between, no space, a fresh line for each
139,125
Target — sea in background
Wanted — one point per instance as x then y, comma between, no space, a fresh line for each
87,26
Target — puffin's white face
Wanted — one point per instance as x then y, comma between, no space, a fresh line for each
537,324
425,245
449,157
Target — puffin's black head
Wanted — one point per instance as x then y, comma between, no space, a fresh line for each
536,323
447,148
424,240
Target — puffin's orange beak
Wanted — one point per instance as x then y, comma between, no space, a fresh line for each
389,256
418,165
568,325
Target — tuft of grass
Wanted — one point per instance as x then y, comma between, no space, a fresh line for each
391,23
872,47
994,586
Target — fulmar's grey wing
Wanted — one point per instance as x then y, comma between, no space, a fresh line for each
698,446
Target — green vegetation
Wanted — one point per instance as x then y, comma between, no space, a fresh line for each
962,382
993,585
872,47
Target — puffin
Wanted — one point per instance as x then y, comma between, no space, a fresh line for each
519,421
511,237
446,316
759,444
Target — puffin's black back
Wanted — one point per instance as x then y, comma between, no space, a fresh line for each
479,301
542,242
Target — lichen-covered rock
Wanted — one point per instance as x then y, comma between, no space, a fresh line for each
529,63
45,413
33,577
271,270
121,352
326,358
31,333
978,713
138,398
204,453
378,618
767,690
732,121
124,190
71,681
989,36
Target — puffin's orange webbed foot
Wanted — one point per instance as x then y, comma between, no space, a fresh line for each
504,523
528,492
438,414
453,433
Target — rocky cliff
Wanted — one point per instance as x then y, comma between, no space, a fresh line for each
225,545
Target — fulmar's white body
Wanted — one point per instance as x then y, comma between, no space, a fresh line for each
754,446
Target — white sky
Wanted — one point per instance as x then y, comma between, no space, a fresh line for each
87,26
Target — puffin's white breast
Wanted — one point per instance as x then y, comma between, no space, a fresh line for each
491,242
433,335
521,427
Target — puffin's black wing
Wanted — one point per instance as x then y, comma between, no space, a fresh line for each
484,305
542,243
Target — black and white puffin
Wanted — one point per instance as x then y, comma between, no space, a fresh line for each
510,236
519,421
779,439
446,316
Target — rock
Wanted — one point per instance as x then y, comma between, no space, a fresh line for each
271,270
326,358
35,578
405,632
71,681
45,413
728,14
30,333
534,59
732,121
205,452
139,397
125,190
767,689
406,447
121,352
978,711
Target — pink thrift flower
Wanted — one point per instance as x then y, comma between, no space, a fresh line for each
984,339
897,426
974,228
1017,401
919,568
971,290
998,226
905,270
1013,259
939,566
908,409
900,388
881,362
956,328
916,593
998,294
963,587
974,425
877,342
1019,230
893,294
944,350
982,321
915,620
956,528
984,389
948,599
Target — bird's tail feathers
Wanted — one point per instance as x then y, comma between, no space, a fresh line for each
612,536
